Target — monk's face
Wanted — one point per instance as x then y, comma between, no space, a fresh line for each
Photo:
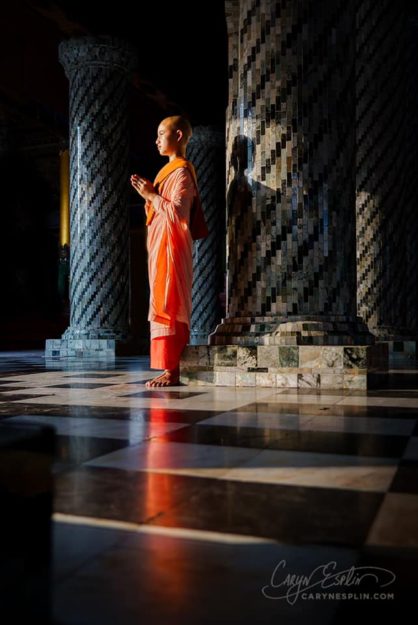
167,139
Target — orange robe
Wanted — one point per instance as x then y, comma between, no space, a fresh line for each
170,269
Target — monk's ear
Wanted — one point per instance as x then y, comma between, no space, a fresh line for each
179,134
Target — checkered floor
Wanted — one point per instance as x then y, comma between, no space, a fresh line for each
198,504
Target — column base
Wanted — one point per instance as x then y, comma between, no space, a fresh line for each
80,348
402,352
402,344
276,366
199,338
292,330
96,343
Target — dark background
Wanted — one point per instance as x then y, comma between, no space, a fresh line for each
182,68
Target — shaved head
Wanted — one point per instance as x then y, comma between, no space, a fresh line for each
177,122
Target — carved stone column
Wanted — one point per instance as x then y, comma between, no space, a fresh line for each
291,316
98,70
291,183
206,150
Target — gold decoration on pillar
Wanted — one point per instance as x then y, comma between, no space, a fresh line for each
64,197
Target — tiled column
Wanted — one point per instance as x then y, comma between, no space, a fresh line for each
386,171
98,70
291,316
206,150
291,183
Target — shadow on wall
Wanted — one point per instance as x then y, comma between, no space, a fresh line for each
246,221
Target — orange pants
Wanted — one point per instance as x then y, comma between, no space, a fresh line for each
166,350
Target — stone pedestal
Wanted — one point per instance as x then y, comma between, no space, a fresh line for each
98,70
297,366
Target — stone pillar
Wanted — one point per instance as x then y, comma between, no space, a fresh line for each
386,175
291,316
98,69
206,150
291,181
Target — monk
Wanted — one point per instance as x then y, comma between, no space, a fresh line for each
172,202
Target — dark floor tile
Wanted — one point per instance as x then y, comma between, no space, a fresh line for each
79,385
98,374
290,514
71,451
402,380
284,513
155,415
161,394
19,396
406,478
131,496
154,579
221,436
345,443
391,598
394,393
391,412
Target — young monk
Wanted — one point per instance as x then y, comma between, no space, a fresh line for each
169,203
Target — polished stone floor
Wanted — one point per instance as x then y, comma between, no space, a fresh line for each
200,505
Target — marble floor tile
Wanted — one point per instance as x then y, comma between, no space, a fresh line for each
396,522
289,514
79,397
331,410
71,451
82,385
179,458
154,415
346,443
411,450
74,545
35,396
323,423
161,579
399,562
163,394
133,431
317,470
176,505
127,496
380,401
311,398
406,478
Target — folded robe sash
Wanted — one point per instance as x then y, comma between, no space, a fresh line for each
198,227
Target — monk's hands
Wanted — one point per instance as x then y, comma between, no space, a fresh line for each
144,187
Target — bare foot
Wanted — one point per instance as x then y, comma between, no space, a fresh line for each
154,380
168,378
